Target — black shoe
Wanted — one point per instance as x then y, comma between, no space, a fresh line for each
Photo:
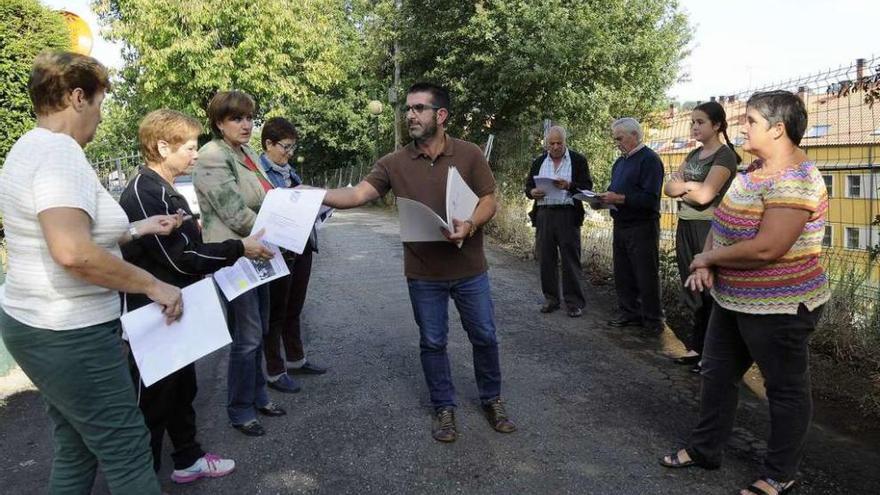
575,312
549,308
307,369
284,384
687,360
271,409
252,428
624,322
696,369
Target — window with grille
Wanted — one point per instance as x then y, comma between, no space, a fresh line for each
829,184
828,238
853,238
854,186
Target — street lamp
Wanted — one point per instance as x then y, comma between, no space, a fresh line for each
375,109
80,33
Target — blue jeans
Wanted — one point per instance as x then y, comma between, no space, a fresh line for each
430,302
248,321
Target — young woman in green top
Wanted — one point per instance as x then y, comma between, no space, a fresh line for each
700,183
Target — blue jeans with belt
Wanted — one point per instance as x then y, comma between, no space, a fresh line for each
472,297
248,322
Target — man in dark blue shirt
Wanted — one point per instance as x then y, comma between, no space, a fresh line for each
636,179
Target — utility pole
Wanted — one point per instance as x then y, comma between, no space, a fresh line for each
392,94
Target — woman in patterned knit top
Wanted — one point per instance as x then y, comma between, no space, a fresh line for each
761,262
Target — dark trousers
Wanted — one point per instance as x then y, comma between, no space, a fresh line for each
287,295
559,236
690,236
167,407
779,344
636,253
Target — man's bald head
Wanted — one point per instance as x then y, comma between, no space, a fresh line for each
554,141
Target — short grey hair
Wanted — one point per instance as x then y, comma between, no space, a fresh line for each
559,129
782,106
629,124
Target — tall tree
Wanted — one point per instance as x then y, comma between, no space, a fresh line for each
26,28
511,63
298,59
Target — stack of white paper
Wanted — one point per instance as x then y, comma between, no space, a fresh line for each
419,223
288,215
592,198
160,349
551,192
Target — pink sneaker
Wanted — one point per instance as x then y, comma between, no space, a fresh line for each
208,466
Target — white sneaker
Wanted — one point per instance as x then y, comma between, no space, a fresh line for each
208,466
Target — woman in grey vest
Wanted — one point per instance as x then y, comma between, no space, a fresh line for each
699,184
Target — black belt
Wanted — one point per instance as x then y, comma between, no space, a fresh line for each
555,206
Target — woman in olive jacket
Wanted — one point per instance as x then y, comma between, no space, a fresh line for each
230,186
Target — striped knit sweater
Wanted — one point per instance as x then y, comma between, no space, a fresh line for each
795,278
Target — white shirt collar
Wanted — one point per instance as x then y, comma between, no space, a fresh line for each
635,150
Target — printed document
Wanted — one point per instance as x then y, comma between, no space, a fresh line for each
160,349
246,274
592,198
324,215
419,223
288,215
545,183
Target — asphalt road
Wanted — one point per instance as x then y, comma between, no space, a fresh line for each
595,406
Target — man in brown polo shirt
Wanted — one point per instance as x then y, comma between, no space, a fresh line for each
436,271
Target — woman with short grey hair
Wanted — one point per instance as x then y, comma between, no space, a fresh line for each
761,262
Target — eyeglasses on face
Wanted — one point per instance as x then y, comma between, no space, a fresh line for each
288,148
418,108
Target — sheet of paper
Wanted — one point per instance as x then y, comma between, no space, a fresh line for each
460,199
324,215
161,349
592,198
550,191
418,223
246,274
288,215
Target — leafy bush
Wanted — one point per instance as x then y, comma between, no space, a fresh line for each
26,28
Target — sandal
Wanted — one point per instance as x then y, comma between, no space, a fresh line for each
779,486
673,461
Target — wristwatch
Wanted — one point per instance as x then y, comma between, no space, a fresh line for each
133,232
473,228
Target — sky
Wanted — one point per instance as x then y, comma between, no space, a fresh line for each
743,44
737,45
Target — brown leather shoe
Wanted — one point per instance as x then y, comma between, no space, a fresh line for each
497,416
444,425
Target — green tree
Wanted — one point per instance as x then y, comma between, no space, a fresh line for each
301,60
511,64
26,28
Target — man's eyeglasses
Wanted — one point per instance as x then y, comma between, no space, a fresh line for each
418,108
288,148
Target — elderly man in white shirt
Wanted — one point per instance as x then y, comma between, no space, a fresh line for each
558,220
